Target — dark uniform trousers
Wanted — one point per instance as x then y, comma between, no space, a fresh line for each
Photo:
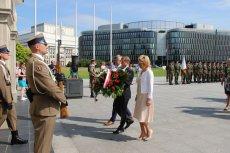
9,116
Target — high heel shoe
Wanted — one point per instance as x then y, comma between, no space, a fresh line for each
150,133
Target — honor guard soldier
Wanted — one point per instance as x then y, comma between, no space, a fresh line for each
7,108
218,72
47,96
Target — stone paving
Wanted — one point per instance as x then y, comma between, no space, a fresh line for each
188,119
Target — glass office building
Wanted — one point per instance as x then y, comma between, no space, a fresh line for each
198,45
129,42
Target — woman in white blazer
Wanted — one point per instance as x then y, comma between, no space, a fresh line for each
143,111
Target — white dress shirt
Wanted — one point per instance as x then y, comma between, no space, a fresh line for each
147,81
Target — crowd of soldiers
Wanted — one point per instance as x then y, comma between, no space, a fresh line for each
197,72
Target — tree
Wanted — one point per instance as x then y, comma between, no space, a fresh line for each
22,53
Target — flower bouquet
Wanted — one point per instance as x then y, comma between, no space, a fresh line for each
110,83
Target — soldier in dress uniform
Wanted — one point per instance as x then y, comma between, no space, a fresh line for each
221,70
47,98
92,75
176,71
7,107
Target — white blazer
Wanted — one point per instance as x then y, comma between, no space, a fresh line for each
147,81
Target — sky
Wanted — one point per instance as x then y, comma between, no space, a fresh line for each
214,12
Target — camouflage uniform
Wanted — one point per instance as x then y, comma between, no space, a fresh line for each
205,73
200,72
189,73
92,75
170,73
218,72
209,75
176,71
195,73
213,72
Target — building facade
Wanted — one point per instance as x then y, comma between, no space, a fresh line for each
129,42
131,39
66,34
8,33
198,45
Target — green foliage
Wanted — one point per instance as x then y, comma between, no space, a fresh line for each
84,63
159,72
22,53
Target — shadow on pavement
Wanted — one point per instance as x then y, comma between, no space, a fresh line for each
89,120
92,131
4,143
206,112
222,100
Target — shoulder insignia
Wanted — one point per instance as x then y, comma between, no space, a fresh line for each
38,68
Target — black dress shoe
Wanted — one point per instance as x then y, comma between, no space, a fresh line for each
128,123
118,131
16,139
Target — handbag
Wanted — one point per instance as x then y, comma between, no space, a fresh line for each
64,112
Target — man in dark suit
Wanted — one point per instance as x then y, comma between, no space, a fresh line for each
121,102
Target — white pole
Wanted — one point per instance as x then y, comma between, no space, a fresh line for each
56,12
111,35
94,33
76,39
35,17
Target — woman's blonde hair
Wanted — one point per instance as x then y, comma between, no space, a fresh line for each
145,60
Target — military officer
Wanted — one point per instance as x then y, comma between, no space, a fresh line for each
47,96
176,71
92,75
7,108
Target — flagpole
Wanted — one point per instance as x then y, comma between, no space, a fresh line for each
35,17
94,33
111,34
76,51
56,18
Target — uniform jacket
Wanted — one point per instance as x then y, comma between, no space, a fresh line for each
5,85
47,95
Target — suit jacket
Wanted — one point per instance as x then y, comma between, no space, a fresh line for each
5,85
47,95
128,82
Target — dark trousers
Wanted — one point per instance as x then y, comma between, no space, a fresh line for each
114,113
121,104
